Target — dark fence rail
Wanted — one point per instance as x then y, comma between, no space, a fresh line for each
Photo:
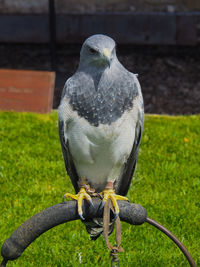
151,28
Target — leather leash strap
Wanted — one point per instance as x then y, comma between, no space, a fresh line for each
106,222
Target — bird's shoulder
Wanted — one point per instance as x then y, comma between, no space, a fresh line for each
78,83
116,93
125,85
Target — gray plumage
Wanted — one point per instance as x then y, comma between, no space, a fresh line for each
101,119
101,100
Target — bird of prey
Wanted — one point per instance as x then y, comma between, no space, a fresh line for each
101,119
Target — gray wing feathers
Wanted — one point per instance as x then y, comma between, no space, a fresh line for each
130,165
69,165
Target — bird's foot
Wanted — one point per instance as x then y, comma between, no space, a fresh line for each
109,193
82,194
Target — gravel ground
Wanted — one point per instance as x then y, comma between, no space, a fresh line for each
169,76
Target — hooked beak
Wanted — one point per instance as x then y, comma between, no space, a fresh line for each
107,56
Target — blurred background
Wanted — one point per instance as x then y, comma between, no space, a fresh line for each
158,39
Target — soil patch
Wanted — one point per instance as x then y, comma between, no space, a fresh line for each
169,76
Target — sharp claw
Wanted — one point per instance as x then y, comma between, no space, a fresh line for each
81,216
91,203
80,197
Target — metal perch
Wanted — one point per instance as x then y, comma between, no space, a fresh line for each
26,233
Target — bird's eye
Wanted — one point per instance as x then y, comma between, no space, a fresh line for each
92,51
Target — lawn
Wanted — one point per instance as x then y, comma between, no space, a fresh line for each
166,183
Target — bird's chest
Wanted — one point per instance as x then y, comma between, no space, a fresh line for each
102,145
88,143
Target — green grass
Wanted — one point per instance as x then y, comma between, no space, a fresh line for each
166,182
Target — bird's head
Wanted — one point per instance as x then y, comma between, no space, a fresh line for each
98,51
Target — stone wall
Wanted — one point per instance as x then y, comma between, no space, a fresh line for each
87,6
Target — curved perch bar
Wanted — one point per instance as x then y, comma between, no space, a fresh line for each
26,233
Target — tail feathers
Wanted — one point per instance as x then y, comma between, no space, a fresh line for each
95,227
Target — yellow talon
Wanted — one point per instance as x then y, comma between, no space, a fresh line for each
110,194
82,194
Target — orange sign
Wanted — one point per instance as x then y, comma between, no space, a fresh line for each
25,90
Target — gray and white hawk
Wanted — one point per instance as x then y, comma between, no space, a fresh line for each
100,125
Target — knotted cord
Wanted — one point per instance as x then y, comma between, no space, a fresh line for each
114,250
